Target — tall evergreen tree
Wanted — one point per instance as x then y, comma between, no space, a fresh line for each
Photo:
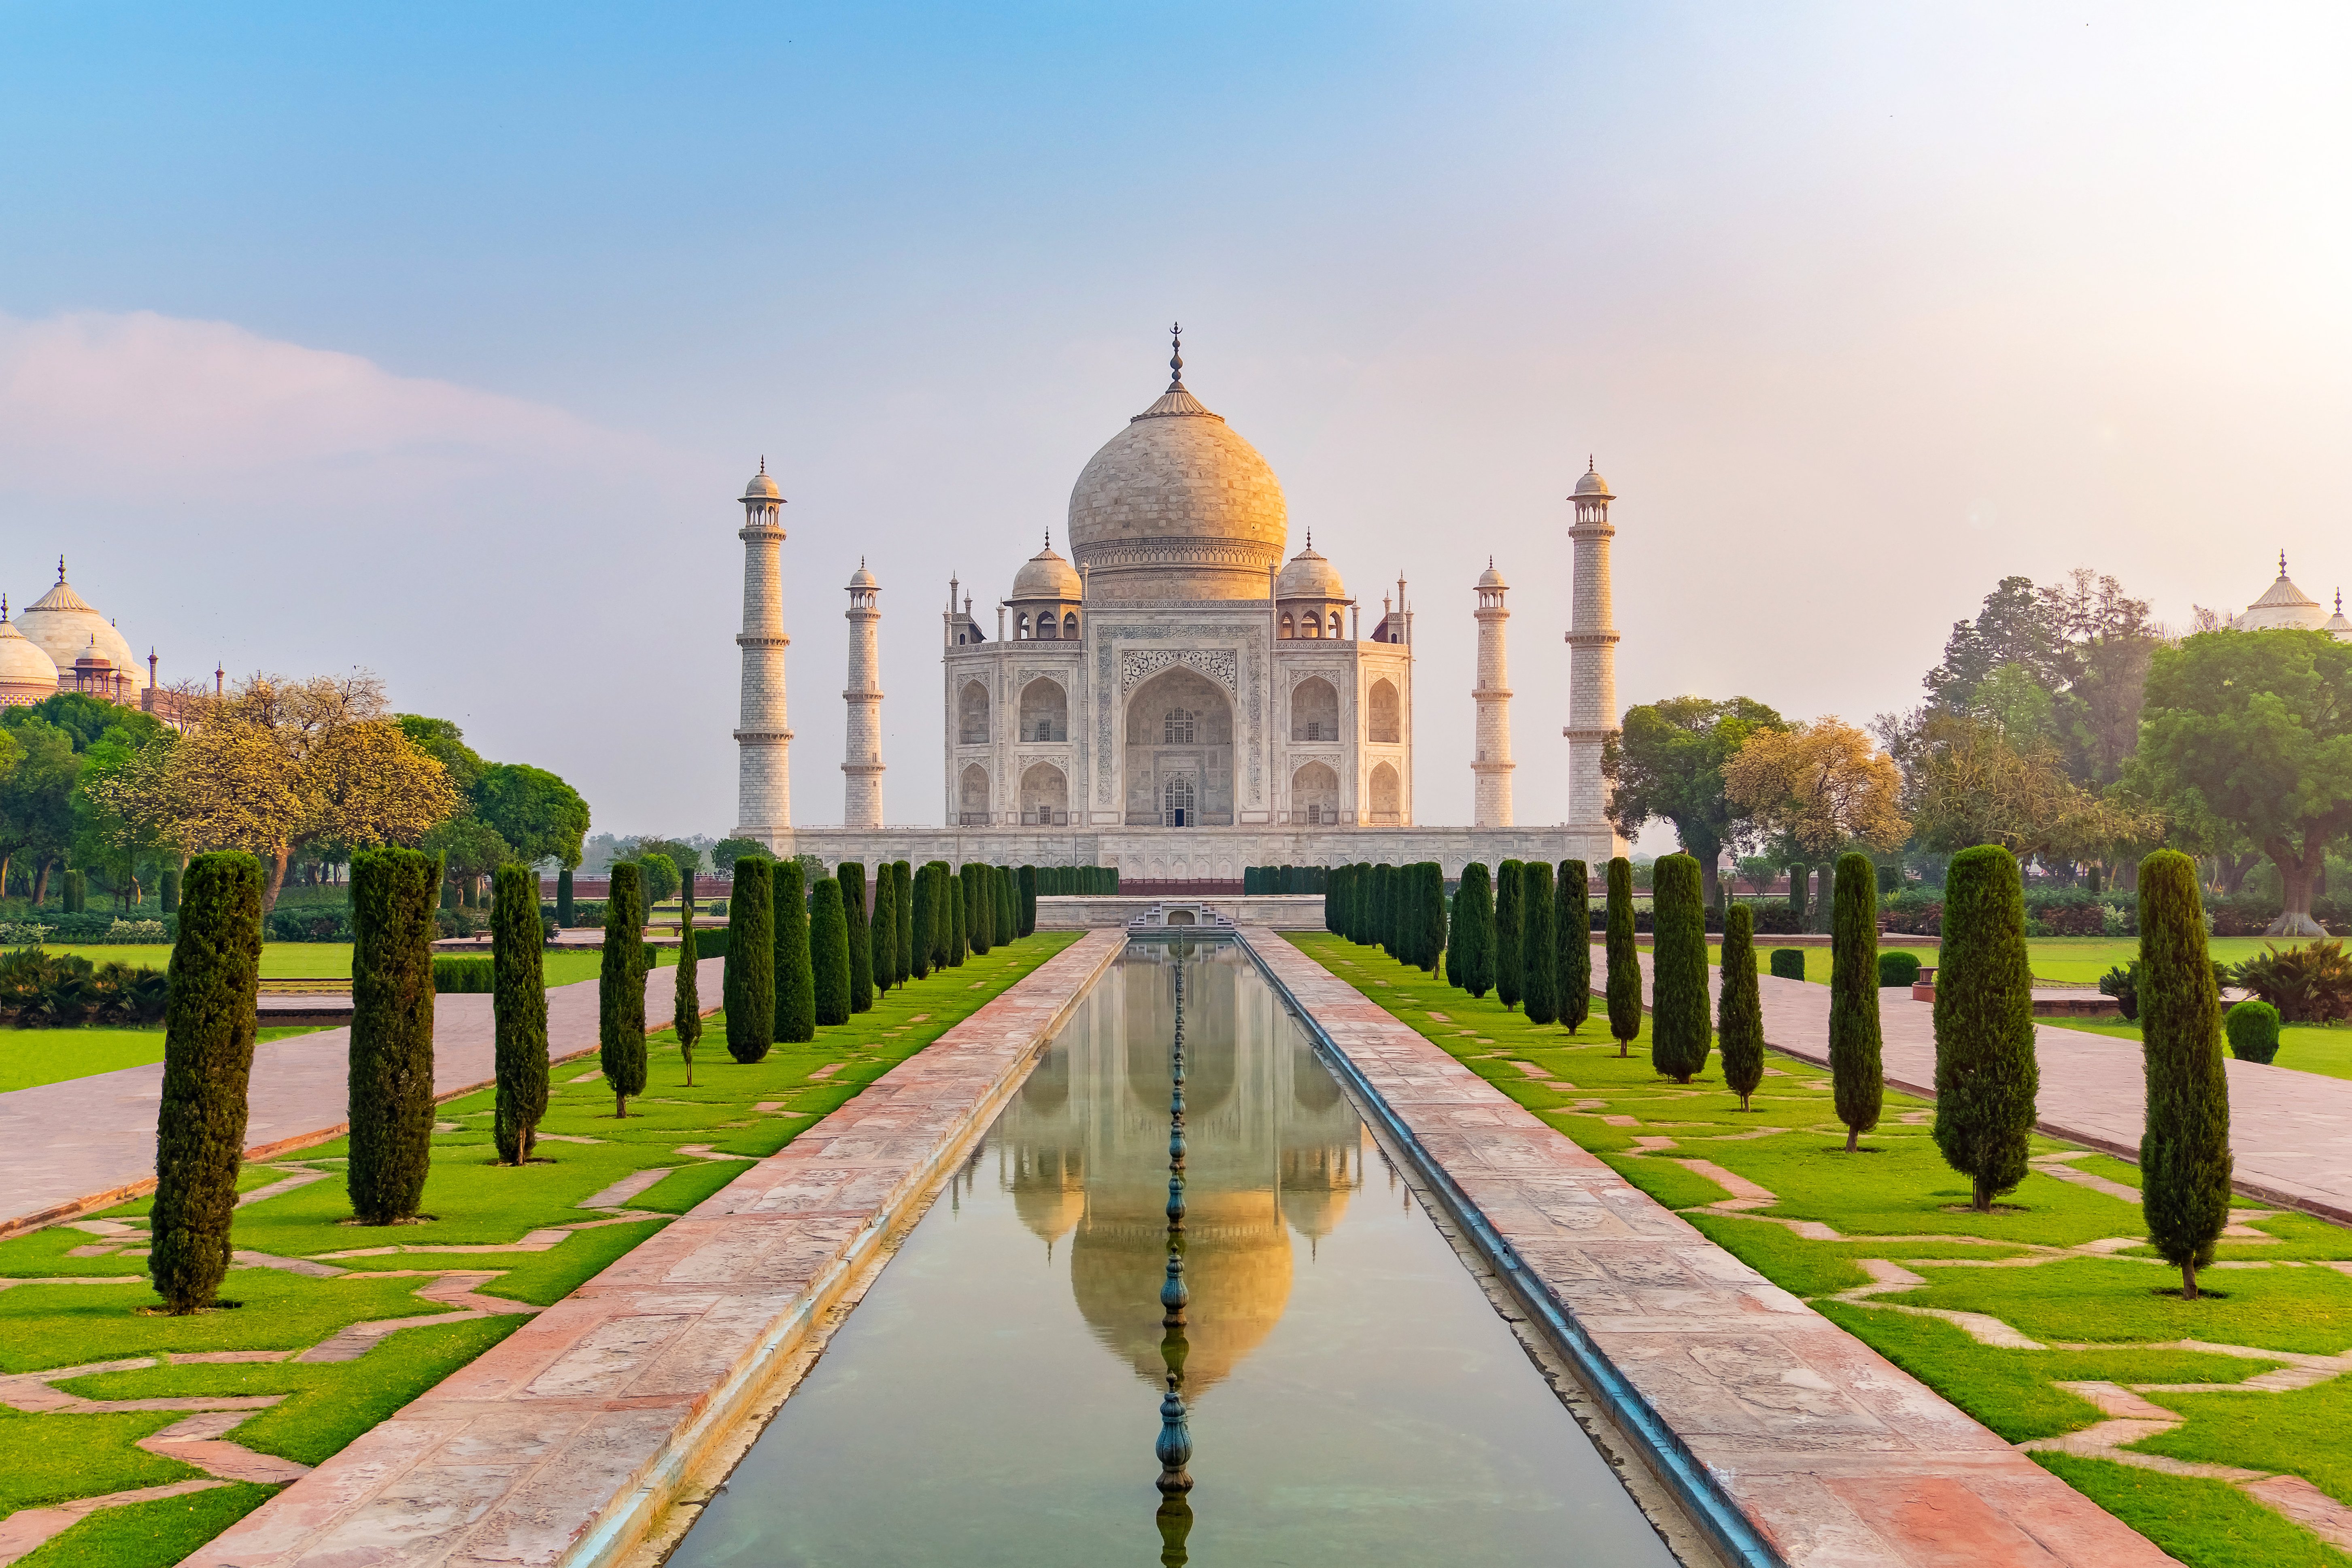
393,895
518,1008
621,987
904,873
1383,910
795,979
2184,1149
829,953
1680,1032
1405,945
1510,936
851,875
1624,985
886,929
1572,915
1474,929
952,899
1740,1010
1987,1075
747,989
685,1000
1008,905
976,907
1856,1078
1028,900
208,1033
563,906
1332,897
1538,944
929,947
1432,914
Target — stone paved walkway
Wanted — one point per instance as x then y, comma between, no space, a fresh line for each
89,1142
2290,1132
1837,1456
569,1440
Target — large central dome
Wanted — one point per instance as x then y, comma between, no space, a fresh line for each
1177,506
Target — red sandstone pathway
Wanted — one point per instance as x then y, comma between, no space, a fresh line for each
569,1440
89,1141
2290,1132
1840,1458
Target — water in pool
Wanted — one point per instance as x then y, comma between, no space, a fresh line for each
1349,1394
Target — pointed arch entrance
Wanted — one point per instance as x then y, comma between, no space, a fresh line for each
1179,753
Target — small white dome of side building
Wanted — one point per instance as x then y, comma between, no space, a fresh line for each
28,674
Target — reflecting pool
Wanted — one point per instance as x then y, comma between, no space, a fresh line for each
1016,1382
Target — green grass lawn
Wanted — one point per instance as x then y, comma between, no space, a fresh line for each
2104,1316
2059,959
748,1110
332,960
2306,1047
30,1056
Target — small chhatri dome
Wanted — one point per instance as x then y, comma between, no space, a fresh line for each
762,487
1309,577
862,578
1593,484
2283,607
2337,626
1490,578
26,673
1046,575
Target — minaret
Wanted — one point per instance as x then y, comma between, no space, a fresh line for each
861,752
763,742
1491,771
1591,659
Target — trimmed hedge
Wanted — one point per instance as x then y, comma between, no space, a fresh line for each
748,990
1898,969
393,894
1573,925
1510,934
1681,1033
828,947
1788,962
795,980
2253,1030
1538,948
1987,1075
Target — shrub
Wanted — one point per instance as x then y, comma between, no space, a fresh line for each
77,892
1857,1078
2308,985
851,875
1788,962
1776,920
1510,936
1680,1032
520,1008
207,1068
795,980
1624,979
685,998
1798,872
2253,1030
310,925
1898,969
2184,1151
565,911
748,984
394,892
2122,983
1986,1076
171,892
1572,941
463,976
1740,1010
829,953
621,989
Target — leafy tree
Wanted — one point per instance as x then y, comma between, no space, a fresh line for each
519,1005
748,987
829,953
1572,914
1668,762
1971,782
469,848
1624,981
1758,871
1857,1076
1474,930
661,877
2184,1151
1538,943
393,894
795,980
685,1005
37,817
851,875
2254,730
621,988
1680,1031
727,851
543,817
207,1066
1739,1009
1510,936
1821,785
446,743
1986,1076
2082,643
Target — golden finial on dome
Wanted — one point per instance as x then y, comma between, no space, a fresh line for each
1176,357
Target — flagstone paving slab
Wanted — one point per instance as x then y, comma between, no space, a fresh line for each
565,1441
1838,1457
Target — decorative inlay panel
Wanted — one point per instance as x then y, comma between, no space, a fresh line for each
1138,665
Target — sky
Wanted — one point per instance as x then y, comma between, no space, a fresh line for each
438,339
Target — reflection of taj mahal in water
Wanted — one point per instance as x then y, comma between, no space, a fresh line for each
1083,1147
1175,699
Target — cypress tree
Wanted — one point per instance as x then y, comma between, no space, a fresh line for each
1986,1076
621,987
171,892
208,1033
1740,1010
686,1001
851,875
1572,915
904,874
1378,936
748,986
795,980
1008,904
1858,1080
1510,936
1432,912
1797,873
519,1005
1538,944
1454,941
926,922
393,895
1028,900
1624,979
829,953
1404,944
564,910
2184,1151
1332,906
1474,929
885,927
1680,1031
953,901
980,908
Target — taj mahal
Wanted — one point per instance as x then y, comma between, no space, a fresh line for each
1175,697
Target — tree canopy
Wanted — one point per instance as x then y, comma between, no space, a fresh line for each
1668,762
1822,785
